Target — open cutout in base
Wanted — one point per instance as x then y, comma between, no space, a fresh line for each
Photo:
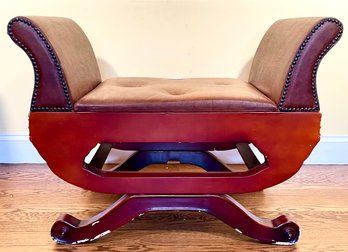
152,155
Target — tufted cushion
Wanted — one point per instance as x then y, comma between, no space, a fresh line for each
174,95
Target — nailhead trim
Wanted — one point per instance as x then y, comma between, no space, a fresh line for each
66,91
54,57
315,68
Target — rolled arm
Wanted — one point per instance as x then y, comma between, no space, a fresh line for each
286,62
64,63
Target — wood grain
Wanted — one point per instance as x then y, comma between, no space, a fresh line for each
31,197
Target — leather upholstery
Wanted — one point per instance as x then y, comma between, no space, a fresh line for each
301,93
285,63
282,76
170,95
75,52
64,62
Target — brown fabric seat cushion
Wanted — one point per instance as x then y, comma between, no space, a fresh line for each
174,95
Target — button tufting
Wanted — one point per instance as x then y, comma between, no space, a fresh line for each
157,94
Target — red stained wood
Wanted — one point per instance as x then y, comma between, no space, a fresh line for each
64,139
68,229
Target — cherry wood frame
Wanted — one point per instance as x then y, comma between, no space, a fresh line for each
70,230
64,139
285,139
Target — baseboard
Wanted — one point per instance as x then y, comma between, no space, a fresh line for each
330,150
18,149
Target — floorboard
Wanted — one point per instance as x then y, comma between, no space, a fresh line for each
31,197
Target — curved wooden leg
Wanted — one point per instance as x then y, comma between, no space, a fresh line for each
70,230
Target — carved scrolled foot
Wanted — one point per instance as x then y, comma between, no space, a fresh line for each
70,230
280,231
287,231
63,230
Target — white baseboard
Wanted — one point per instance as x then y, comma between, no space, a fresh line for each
18,149
330,150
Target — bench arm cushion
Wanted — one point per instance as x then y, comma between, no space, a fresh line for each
286,62
63,59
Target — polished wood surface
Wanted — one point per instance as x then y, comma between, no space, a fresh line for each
63,140
70,230
31,198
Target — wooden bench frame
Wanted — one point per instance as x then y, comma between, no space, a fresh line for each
64,137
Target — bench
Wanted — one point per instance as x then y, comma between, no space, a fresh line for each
174,121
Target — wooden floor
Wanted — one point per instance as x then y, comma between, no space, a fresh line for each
31,197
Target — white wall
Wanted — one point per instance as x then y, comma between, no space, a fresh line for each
172,38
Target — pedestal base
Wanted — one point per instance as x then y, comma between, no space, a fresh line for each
70,230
